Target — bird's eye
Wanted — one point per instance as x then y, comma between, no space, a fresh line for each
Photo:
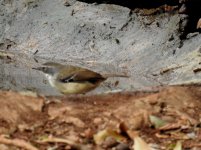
70,80
44,68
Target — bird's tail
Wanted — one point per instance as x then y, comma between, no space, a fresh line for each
115,75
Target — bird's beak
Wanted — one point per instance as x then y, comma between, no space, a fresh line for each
38,68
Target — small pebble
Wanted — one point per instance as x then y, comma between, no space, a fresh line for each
109,142
97,121
122,146
88,133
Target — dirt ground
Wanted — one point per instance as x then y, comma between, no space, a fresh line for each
165,119
157,43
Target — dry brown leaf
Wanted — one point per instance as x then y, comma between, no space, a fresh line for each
102,135
140,144
126,131
199,24
51,139
156,121
132,134
54,113
64,114
179,135
170,126
195,145
122,127
178,146
17,142
173,135
161,136
133,119
186,117
17,109
88,133
3,147
76,121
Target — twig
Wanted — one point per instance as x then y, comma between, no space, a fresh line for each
195,145
51,139
17,142
72,143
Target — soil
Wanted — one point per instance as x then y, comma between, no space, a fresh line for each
156,43
106,121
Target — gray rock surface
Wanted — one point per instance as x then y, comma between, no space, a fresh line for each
106,38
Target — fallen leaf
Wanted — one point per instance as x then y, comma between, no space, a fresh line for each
156,121
51,139
133,119
76,121
173,135
109,142
161,136
65,114
57,113
199,24
170,126
102,135
140,144
179,135
4,147
132,134
191,135
178,146
17,142
126,131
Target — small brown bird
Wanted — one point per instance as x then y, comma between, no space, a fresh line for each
72,79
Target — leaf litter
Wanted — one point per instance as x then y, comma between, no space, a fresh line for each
168,119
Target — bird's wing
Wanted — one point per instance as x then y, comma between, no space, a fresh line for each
82,76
